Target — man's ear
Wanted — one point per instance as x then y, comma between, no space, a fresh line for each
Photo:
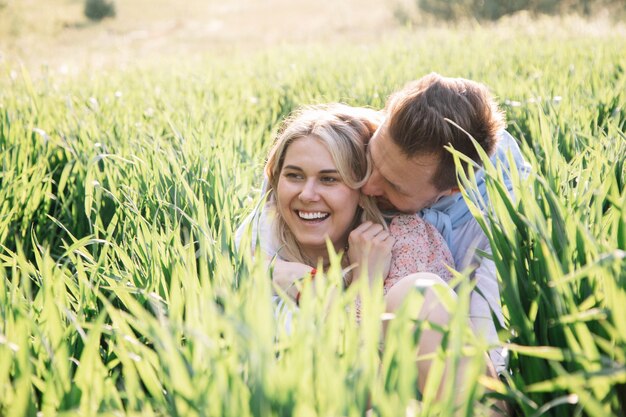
447,193
450,191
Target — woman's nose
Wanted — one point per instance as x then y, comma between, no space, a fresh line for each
309,192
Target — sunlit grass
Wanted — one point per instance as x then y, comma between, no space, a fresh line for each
121,290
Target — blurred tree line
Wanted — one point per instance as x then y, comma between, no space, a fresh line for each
99,9
494,9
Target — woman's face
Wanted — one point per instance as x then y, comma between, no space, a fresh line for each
312,197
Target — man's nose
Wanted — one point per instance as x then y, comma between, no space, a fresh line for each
372,187
309,191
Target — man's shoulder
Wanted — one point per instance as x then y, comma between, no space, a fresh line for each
507,144
467,242
470,234
470,230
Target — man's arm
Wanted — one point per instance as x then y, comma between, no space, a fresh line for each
484,304
485,298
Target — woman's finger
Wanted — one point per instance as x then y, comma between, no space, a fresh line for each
380,237
359,230
372,231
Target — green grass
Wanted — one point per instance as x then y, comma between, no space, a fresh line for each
121,291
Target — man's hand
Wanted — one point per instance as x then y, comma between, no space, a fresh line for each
370,247
285,274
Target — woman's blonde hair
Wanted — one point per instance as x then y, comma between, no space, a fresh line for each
345,131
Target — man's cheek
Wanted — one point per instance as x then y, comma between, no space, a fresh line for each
384,204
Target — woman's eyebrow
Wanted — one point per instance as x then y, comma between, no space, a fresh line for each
321,171
292,167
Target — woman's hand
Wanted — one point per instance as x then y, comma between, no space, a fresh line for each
370,247
285,274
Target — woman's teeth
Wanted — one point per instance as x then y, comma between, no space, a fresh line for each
312,215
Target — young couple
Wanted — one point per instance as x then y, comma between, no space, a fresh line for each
333,168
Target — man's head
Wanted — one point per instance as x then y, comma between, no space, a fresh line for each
411,167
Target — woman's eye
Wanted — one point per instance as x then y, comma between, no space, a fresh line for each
292,175
329,179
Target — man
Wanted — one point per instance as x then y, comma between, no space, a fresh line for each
413,172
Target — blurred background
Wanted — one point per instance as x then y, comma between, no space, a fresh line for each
66,35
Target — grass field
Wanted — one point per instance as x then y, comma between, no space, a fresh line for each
121,292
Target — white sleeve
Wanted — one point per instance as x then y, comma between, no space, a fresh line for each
484,304
259,227
485,299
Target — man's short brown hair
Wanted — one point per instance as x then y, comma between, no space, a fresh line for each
417,121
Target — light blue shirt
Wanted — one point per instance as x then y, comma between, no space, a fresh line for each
450,213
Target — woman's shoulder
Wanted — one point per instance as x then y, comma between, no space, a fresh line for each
413,226
403,223
418,247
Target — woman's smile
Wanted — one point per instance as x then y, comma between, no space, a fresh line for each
312,216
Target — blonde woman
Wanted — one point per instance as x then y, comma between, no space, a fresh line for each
314,172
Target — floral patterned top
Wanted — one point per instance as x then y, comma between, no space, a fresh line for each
418,248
